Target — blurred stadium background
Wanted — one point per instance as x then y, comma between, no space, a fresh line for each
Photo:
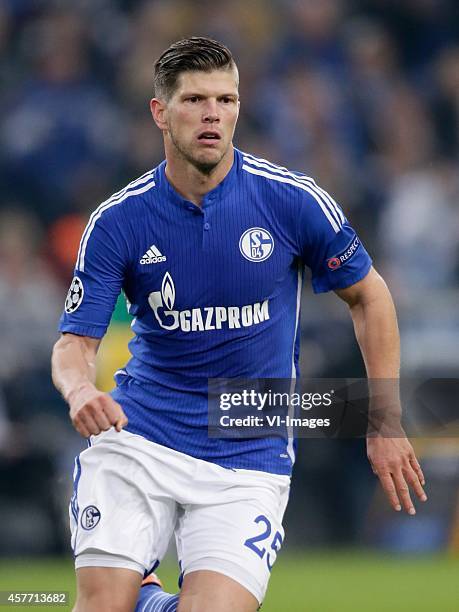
364,96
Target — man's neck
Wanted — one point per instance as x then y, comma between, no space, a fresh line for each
192,184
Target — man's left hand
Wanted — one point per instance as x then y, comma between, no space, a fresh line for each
394,462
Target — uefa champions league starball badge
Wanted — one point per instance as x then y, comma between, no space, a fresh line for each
74,295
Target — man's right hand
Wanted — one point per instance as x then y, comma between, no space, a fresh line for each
92,412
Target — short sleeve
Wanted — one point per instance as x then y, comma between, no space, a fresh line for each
97,281
329,246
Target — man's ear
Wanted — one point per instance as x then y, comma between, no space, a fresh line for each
158,111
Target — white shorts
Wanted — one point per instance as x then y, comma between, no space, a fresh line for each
131,495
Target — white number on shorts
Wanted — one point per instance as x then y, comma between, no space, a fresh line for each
275,544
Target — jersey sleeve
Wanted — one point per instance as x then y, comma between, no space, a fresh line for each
329,246
97,281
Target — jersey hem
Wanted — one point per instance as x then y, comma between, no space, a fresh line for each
82,330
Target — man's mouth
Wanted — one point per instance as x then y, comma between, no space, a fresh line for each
209,137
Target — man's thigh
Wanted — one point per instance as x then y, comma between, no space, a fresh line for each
206,591
238,536
107,588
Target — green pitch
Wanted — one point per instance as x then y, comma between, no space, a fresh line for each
333,582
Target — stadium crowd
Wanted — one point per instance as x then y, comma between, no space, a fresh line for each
363,95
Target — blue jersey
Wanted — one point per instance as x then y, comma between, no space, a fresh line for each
214,292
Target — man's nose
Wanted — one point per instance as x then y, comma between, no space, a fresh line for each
210,114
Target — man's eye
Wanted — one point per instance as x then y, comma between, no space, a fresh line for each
193,99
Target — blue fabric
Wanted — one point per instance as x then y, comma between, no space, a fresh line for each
213,292
153,599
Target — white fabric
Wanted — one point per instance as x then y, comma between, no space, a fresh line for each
96,558
144,492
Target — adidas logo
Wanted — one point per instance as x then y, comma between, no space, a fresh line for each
152,256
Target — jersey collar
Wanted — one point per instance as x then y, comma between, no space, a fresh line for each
212,197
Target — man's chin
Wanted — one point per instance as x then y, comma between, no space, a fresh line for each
207,161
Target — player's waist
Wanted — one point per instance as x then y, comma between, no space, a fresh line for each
190,371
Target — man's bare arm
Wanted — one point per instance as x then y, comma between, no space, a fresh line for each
375,324
74,375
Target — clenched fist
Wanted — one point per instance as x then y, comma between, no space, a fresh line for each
92,412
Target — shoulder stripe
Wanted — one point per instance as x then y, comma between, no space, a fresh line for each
138,181
302,178
295,183
98,213
119,194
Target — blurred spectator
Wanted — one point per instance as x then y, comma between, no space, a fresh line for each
59,126
312,37
30,298
33,422
446,102
422,28
63,242
420,230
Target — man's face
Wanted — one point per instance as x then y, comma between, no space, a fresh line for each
200,118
